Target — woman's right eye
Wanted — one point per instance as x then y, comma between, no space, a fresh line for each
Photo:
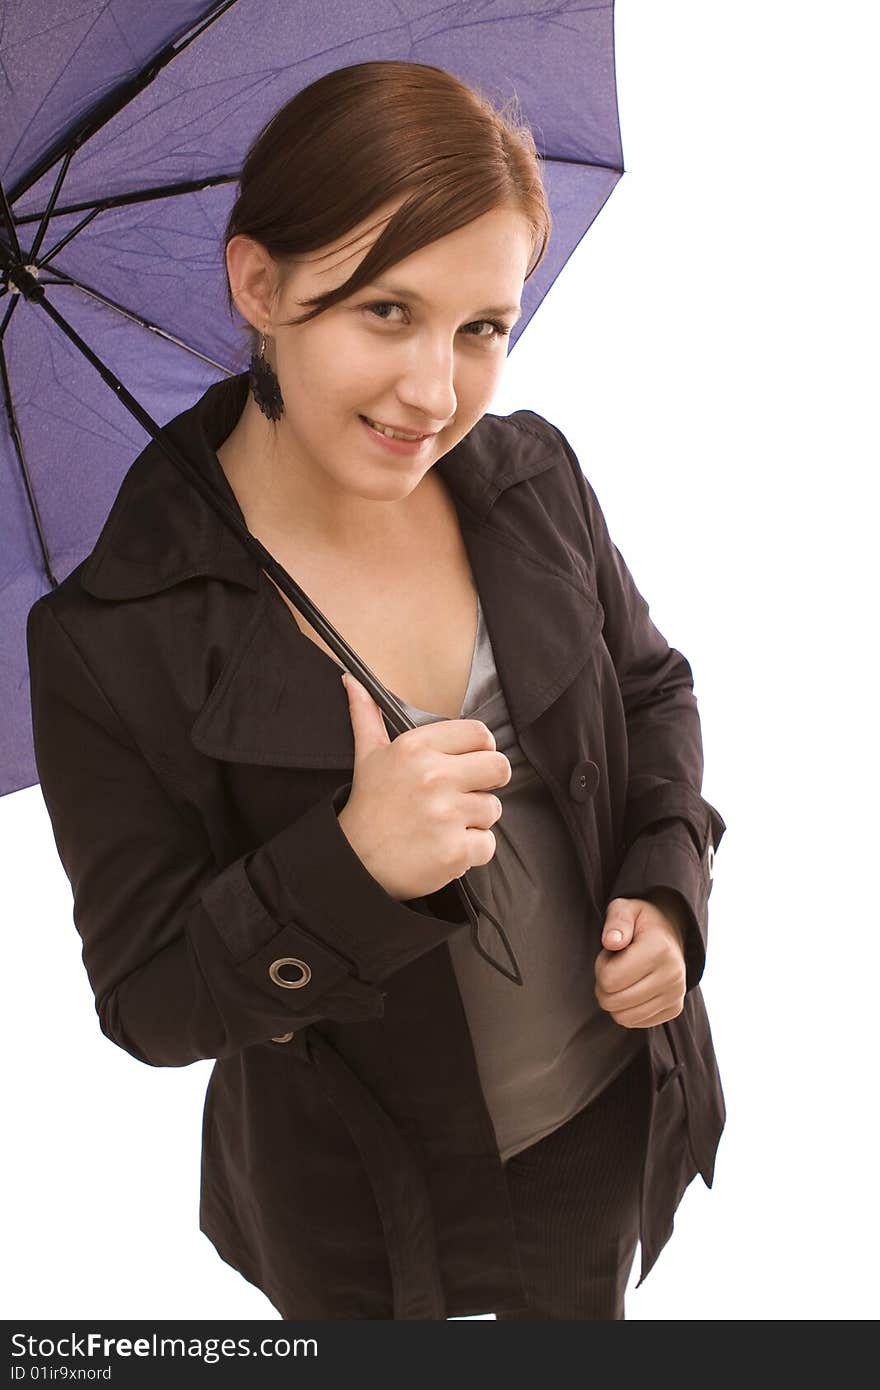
382,305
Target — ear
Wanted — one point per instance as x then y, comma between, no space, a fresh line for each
253,278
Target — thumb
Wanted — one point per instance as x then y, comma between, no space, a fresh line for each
367,722
619,924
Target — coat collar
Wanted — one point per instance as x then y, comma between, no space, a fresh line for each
277,699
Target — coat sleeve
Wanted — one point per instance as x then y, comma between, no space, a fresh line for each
671,832
177,948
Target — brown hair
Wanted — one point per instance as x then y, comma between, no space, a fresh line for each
363,135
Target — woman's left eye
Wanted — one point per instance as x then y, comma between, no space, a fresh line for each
498,329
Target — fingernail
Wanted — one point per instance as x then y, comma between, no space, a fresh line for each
615,935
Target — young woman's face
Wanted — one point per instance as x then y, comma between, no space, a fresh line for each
423,353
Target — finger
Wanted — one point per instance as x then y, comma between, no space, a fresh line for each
642,1015
367,723
459,735
619,924
643,962
662,1017
481,809
617,973
480,771
652,985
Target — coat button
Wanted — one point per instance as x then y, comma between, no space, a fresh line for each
284,1037
584,780
710,859
289,984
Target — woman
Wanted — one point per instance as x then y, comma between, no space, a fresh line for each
262,875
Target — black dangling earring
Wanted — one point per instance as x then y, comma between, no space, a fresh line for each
264,384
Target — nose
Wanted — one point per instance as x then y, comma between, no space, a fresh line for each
427,389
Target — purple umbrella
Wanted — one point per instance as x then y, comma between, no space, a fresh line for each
123,129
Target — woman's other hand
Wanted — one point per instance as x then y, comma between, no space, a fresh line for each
640,972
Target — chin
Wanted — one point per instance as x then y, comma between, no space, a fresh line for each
377,485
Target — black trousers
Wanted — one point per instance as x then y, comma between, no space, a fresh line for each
575,1200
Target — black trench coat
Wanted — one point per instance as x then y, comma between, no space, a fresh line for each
194,747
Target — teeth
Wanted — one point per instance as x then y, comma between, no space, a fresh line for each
392,434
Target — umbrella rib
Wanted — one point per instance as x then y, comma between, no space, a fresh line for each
175,190
582,163
59,245
41,230
19,453
13,300
98,116
6,214
139,195
65,279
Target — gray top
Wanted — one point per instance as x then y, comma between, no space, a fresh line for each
546,1048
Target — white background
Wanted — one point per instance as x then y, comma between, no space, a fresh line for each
711,353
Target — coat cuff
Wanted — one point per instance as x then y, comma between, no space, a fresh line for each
305,894
668,858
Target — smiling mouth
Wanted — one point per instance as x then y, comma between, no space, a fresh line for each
410,438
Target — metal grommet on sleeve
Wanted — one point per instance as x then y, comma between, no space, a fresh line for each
710,860
289,984
283,1037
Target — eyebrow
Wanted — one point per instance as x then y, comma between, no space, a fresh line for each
400,292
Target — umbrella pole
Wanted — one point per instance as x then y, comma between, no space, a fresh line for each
30,287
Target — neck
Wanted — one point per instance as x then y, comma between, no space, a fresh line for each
283,501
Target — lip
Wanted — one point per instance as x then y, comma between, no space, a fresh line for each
405,447
405,429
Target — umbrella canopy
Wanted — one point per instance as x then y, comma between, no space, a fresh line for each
123,130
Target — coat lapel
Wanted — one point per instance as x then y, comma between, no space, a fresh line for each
277,700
